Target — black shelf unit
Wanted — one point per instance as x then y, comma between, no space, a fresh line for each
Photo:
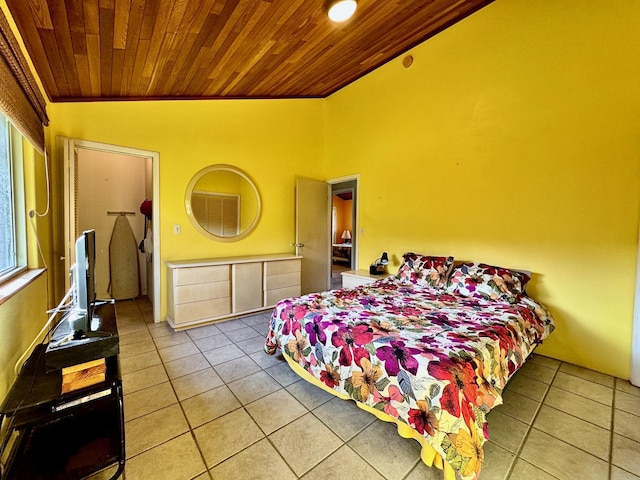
48,435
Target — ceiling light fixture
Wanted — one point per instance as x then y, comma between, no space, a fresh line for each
342,10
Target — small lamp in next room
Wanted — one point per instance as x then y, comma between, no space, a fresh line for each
346,236
377,267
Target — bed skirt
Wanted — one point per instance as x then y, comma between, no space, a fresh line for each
428,455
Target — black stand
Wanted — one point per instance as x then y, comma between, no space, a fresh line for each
67,348
49,435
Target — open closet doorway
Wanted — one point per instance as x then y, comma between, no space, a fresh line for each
344,229
105,186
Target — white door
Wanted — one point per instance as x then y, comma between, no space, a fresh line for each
313,234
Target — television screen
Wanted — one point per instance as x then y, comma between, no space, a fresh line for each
90,252
81,336
85,281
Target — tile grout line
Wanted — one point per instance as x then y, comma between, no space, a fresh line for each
611,422
282,387
611,426
613,410
124,471
559,387
345,443
139,314
242,406
191,429
529,428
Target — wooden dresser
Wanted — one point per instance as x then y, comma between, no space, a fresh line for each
212,289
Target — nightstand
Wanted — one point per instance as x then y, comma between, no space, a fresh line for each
353,278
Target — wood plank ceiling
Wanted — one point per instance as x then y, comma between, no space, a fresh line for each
90,50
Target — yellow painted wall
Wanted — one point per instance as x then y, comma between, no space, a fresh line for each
35,179
514,139
248,206
21,318
272,141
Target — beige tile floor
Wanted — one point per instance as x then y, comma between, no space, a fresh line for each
207,403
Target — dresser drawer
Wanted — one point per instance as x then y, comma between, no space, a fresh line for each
282,266
201,291
188,312
283,280
274,296
206,274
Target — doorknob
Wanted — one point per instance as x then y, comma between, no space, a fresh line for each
300,245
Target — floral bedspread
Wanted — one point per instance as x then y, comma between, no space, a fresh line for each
435,361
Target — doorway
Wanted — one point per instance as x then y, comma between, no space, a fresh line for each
317,232
112,185
344,232
103,183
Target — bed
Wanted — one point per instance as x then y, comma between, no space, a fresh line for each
430,349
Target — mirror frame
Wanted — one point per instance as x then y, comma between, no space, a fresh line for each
225,168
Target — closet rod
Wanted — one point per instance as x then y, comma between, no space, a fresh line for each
121,213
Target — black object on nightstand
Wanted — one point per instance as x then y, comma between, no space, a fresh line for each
377,267
50,435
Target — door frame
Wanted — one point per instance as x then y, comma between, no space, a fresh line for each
356,214
66,148
635,335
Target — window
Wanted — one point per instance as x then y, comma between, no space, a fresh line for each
12,241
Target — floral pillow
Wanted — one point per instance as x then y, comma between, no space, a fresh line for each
487,281
425,271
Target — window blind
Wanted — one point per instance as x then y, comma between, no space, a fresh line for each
20,98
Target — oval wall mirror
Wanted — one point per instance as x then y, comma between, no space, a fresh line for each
223,203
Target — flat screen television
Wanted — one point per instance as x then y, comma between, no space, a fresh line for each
80,336
84,279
